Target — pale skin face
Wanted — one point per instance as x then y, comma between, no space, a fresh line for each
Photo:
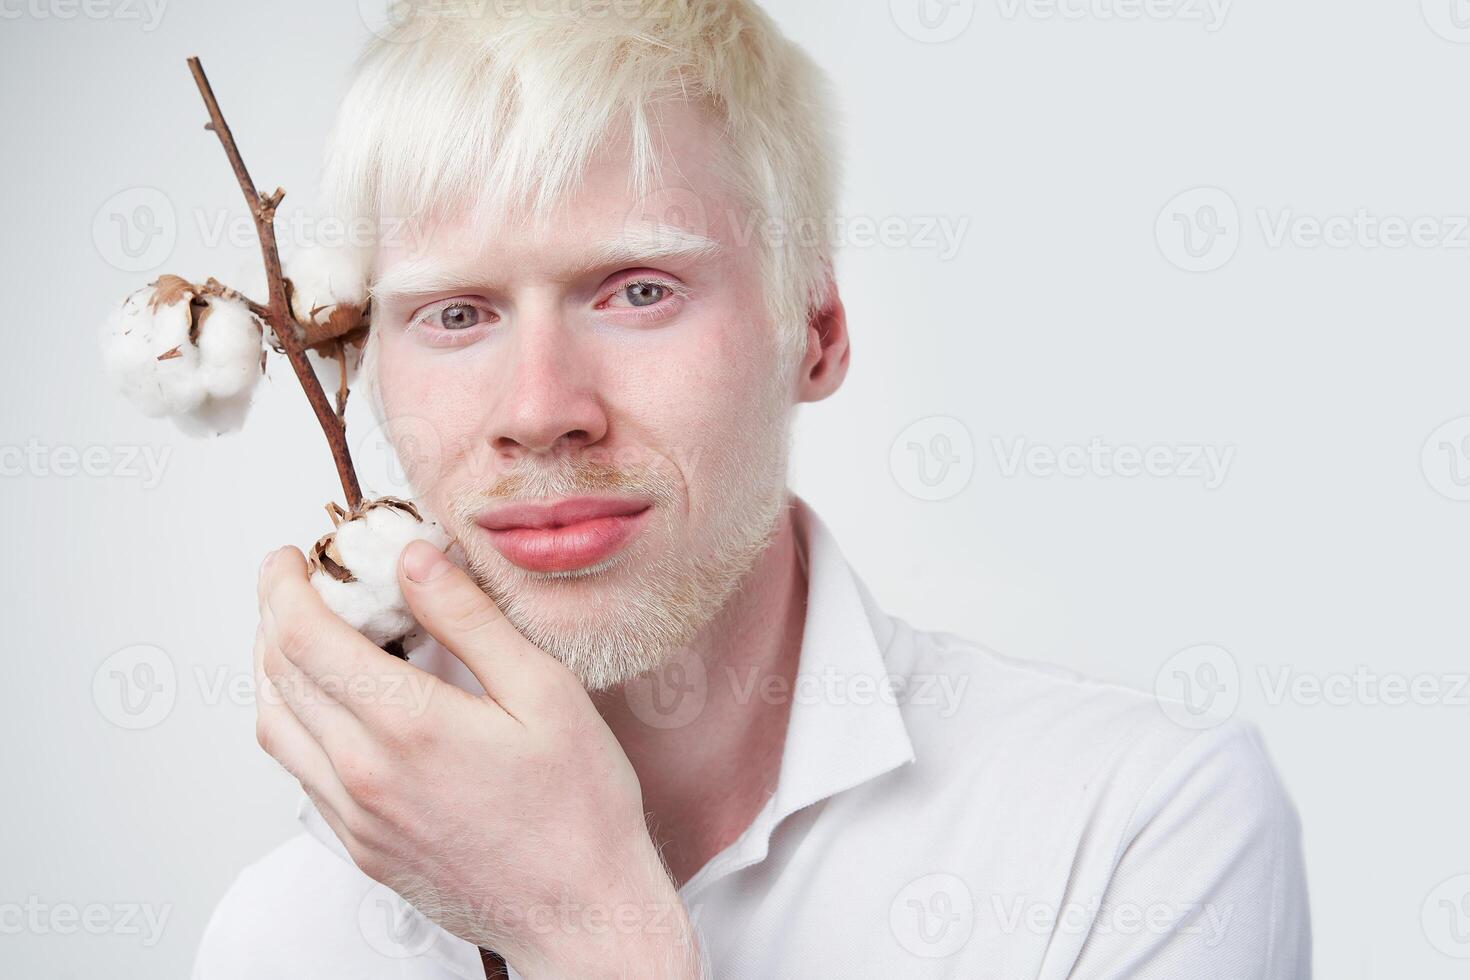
639,346
688,398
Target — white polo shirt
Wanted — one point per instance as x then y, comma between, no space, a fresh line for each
941,811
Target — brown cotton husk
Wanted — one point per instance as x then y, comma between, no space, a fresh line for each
327,328
170,289
324,556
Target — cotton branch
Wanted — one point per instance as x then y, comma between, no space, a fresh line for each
277,313
293,339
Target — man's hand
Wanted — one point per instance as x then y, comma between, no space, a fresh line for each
513,819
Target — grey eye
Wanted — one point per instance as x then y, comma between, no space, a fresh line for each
459,316
645,293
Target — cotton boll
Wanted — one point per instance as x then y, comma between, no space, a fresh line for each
329,291
147,351
355,568
174,352
229,348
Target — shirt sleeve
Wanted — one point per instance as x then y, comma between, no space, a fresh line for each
1209,881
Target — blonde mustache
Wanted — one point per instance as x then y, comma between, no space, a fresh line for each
567,477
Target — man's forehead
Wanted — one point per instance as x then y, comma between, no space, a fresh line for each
440,263
682,208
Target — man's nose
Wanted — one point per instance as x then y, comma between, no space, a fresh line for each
551,403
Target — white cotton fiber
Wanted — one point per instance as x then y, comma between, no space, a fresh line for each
328,283
135,337
173,353
368,548
229,348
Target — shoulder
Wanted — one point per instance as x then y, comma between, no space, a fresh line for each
960,695
1048,738
307,912
1111,808
293,913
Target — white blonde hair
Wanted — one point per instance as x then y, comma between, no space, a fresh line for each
496,103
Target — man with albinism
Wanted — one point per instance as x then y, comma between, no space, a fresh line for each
666,732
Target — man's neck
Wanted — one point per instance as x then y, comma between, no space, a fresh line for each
708,774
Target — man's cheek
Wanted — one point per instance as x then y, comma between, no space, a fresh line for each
436,436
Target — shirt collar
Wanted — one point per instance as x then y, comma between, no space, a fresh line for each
845,726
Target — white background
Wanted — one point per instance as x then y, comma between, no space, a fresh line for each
1061,138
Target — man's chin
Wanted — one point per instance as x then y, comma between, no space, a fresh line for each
593,620
602,654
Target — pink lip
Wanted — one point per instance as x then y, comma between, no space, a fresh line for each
565,535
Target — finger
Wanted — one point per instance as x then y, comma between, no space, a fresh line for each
316,640
334,820
260,582
336,768
319,709
283,737
465,620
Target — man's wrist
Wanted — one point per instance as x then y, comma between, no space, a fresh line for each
649,938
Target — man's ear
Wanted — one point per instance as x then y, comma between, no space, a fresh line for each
824,364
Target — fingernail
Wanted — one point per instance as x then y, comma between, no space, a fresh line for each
422,562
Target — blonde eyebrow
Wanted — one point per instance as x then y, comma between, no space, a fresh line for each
654,243
639,245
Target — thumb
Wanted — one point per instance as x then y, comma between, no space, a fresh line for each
468,623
